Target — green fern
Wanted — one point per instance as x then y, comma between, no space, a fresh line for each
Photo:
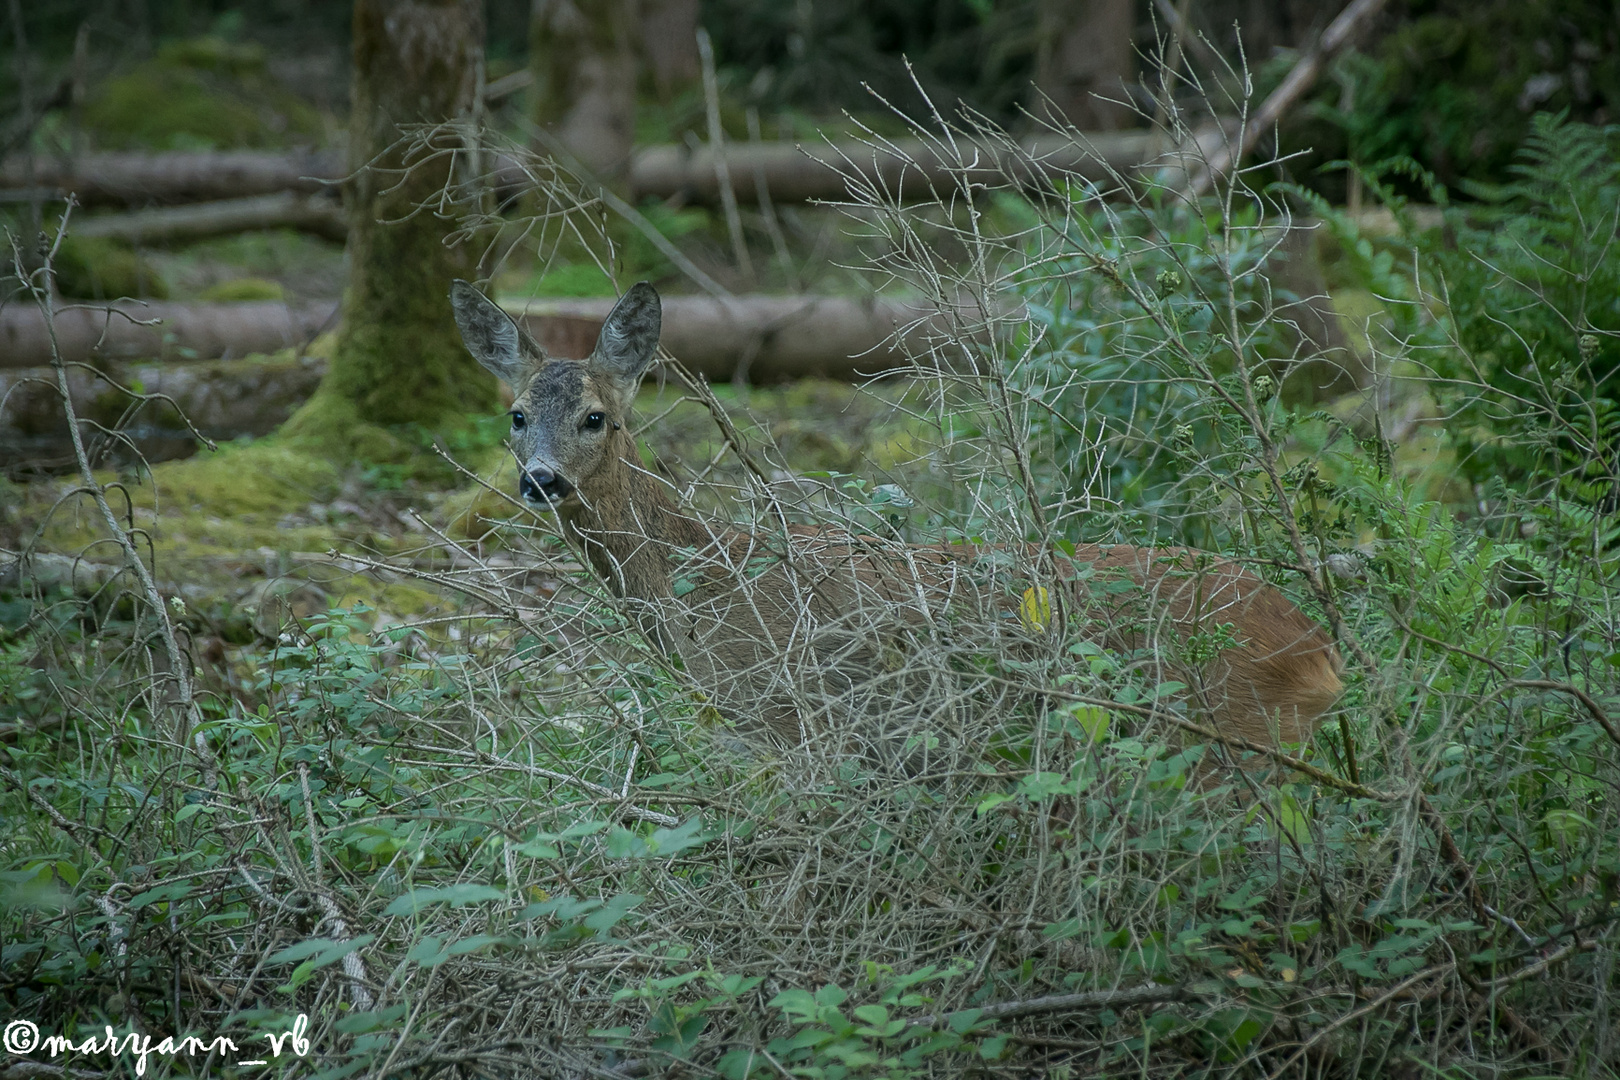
1515,306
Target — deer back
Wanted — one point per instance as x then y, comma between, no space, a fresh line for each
804,631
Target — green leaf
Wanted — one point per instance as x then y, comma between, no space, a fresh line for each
991,801
161,894
876,1015
1293,818
323,950
300,951
429,952
456,895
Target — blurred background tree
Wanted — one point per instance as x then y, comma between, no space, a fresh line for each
1450,83
1450,86
398,357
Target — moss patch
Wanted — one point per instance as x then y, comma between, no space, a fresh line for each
243,532
95,268
200,94
254,479
330,425
240,290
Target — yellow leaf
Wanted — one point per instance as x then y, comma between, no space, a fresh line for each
1035,610
1091,720
1293,818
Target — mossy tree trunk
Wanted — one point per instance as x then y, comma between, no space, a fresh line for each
1085,56
583,55
398,357
669,45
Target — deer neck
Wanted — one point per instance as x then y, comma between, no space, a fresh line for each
629,529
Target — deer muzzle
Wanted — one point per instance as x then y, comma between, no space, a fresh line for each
539,486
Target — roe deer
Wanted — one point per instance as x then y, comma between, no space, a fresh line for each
796,629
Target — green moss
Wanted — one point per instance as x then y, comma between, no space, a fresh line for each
399,358
330,425
570,279
263,479
212,53
95,268
204,93
243,289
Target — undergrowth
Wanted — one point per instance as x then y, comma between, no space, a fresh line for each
513,840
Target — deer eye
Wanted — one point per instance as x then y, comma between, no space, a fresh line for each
518,422
593,422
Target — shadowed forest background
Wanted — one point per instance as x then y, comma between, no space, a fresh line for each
303,713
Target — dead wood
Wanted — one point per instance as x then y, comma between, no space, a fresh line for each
320,215
792,171
177,177
1340,32
771,338
765,338
127,330
221,399
912,167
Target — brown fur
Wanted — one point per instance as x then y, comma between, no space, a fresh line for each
790,630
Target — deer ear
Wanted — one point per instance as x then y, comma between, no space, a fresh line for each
492,337
624,349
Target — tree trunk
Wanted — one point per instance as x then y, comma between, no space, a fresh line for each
1086,56
398,357
584,61
669,44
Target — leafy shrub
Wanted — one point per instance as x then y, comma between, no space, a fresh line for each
1456,88
1134,312
1526,345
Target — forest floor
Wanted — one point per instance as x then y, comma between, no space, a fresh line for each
260,532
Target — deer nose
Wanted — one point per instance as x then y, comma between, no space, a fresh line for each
538,484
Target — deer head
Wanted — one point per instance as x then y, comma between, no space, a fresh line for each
568,416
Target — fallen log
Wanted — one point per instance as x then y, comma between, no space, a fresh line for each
769,338
762,338
791,171
906,168
320,215
158,331
137,179
756,338
221,398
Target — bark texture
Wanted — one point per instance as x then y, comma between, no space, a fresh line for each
793,171
761,338
583,54
127,330
223,399
316,214
1086,56
669,44
398,358
138,179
